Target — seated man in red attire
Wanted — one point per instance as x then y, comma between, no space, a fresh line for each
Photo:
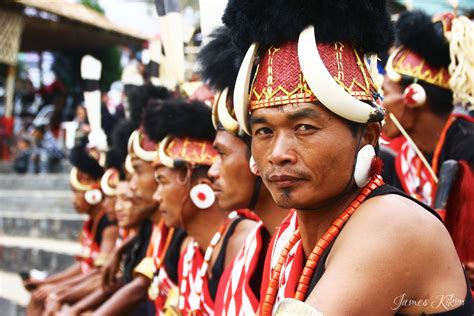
236,182
354,246
428,98
186,199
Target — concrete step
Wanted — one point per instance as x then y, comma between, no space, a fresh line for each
6,167
60,226
34,182
36,201
13,296
10,308
23,254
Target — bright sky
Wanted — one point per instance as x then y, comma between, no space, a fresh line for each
134,14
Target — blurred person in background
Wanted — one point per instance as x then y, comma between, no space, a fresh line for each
97,239
23,162
47,153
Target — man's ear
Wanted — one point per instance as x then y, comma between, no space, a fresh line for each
372,134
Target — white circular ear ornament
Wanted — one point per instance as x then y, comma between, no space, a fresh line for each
253,166
93,197
202,196
363,163
414,95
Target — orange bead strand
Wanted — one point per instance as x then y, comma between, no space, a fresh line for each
318,250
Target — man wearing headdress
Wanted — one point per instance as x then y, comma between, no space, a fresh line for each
185,132
98,234
428,92
353,245
236,183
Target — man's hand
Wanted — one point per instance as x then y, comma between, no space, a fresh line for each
43,291
67,310
52,304
109,271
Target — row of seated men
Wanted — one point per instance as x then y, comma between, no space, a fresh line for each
231,210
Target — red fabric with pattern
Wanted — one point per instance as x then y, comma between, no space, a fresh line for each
89,248
234,295
193,303
280,239
460,213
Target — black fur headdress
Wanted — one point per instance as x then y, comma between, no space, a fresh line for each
364,23
80,158
417,32
179,118
139,98
220,60
118,151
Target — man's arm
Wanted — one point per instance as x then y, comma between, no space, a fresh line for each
110,268
392,256
126,299
81,290
237,240
91,301
72,271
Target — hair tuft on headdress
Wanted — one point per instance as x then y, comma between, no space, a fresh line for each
417,32
219,60
80,158
365,23
179,118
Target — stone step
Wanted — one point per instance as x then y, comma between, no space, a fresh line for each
10,308
41,225
37,201
6,167
13,296
34,182
23,254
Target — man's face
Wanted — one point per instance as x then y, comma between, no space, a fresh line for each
128,216
80,204
109,205
124,205
393,102
143,185
233,183
170,195
304,152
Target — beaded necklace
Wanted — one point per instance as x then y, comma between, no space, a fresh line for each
153,290
205,265
318,250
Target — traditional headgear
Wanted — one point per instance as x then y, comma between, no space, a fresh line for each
83,161
120,136
437,51
139,97
114,165
309,51
139,144
219,64
142,147
184,130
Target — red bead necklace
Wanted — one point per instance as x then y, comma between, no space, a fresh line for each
318,250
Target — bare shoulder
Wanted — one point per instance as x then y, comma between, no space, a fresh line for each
243,229
390,247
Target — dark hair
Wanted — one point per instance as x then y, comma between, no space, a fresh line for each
199,172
